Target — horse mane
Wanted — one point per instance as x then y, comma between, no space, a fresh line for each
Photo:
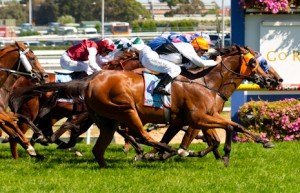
6,49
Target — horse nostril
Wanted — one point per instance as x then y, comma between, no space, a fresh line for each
268,80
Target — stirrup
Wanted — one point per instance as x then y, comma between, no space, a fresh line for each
161,91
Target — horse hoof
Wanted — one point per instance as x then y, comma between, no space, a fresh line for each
182,152
5,140
149,156
31,151
192,153
167,155
269,145
78,154
138,157
125,150
226,161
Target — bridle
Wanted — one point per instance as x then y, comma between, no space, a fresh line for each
246,59
31,59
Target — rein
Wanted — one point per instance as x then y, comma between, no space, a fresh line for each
239,75
18,72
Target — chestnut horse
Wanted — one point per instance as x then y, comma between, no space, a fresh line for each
11,67
78,120
210,136
118,96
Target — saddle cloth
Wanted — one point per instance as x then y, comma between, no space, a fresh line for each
155,100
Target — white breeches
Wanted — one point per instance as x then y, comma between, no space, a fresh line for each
153,62
67,63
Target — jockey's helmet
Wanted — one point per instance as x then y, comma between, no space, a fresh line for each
137,43
200,43
123,44
106,44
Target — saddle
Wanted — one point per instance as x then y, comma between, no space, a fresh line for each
73,75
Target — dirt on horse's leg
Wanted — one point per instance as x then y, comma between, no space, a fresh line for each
107,130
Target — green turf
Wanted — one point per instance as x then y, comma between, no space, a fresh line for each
252,169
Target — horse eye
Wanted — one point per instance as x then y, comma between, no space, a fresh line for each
252,62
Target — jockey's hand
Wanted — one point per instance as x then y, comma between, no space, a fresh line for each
218,59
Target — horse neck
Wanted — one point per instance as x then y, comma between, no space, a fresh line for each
8,61
223,80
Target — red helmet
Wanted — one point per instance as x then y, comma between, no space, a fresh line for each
106,44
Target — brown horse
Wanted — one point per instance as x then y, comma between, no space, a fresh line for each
78,120
11,67
210,136
118,96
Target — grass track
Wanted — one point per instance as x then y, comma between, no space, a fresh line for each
252,169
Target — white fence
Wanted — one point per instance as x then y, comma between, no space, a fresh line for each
49,59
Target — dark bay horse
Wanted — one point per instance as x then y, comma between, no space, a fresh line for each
11,67
118,96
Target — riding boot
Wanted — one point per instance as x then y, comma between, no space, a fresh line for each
160,88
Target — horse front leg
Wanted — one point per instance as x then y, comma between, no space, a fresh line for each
227,147
256,138
171,131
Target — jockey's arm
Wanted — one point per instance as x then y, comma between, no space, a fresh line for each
92,59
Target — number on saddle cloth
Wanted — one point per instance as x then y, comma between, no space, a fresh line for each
155,100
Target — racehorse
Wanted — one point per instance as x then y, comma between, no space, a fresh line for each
118,96
11,67
210,136
78,122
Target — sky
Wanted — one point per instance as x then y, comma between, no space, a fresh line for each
219,2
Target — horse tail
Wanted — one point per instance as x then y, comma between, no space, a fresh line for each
69,90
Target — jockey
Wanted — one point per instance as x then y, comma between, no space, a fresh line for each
151,60
82,57
173,54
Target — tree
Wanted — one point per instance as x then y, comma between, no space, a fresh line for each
47,12
15,11
115,10
184,7
66,19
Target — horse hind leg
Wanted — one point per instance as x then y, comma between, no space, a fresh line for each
107,130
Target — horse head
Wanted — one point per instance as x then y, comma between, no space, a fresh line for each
272,79
37,72
248,66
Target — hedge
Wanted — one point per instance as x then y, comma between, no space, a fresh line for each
278,120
